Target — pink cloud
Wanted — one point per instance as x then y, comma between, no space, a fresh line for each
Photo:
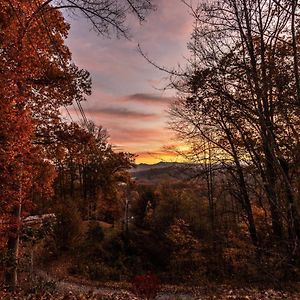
149,99
124,98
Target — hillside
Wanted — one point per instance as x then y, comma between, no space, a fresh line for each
163,171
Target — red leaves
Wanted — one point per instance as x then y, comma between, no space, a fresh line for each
15,156
36,79
146,286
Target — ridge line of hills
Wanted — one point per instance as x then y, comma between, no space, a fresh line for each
162,171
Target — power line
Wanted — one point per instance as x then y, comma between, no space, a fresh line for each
69,113
76,111
46,26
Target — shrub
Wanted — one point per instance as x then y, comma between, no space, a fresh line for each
186,259
95,233
101,271
40,287
68,230
146,286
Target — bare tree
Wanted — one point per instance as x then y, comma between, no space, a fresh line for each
242,85
105,16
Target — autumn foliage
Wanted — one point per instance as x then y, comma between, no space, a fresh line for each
146,286
37,78
232,212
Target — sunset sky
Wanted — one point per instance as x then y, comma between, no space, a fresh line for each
126,98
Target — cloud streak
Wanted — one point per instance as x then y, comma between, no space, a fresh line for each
122,113
151,99
124,98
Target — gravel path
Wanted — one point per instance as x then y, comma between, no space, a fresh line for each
118,293
219,292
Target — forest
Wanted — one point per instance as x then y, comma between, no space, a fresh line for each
80,219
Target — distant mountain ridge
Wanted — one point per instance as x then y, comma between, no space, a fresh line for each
162,171
160,165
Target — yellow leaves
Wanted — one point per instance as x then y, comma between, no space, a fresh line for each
258,211
180,235
238,250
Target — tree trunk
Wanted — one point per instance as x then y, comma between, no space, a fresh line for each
270,185
292,213
11,270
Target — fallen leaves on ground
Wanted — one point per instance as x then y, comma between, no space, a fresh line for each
219,293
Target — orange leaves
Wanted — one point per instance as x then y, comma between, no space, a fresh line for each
15,156
181,236
36,79
73,141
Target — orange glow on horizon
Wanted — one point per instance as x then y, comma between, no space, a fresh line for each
163,155
154,158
